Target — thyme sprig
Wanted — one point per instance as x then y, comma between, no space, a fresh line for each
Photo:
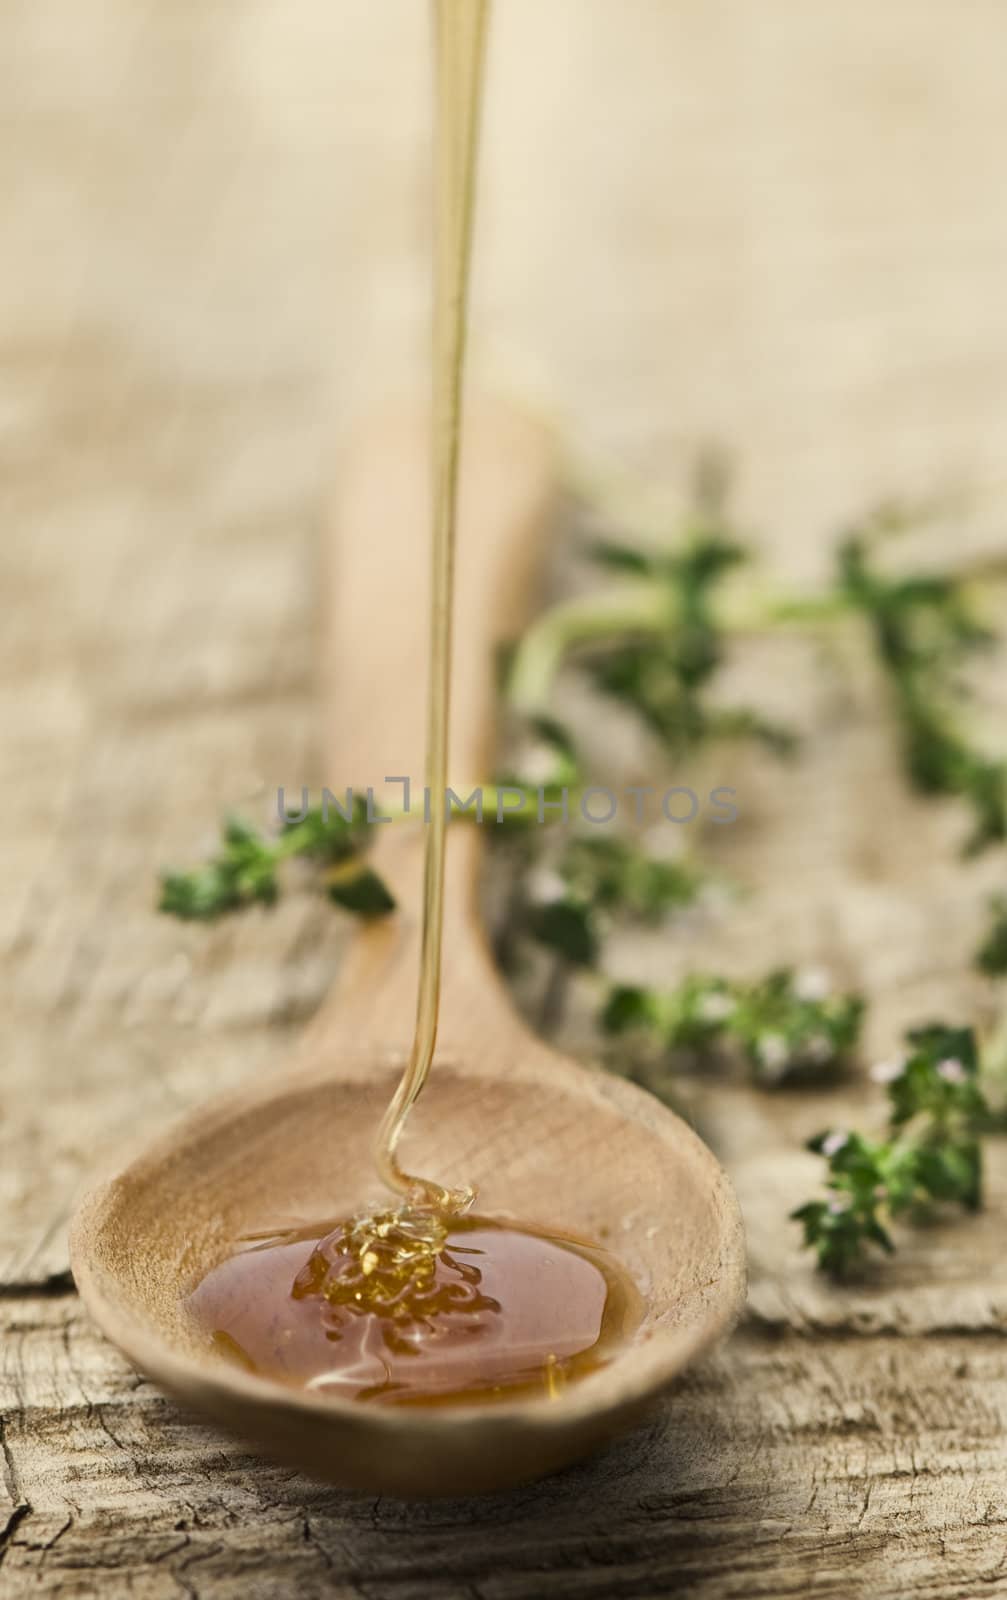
661,678
932,1153
787,1026
925,632
245,870
571,906
654,638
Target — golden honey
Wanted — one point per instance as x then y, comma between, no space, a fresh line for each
496,1311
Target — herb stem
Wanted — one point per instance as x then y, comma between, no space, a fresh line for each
638,609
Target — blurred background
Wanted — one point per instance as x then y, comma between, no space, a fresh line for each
778,227
781,226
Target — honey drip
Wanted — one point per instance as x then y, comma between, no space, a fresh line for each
423,1303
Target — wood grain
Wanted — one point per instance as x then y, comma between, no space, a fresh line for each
784,1467
213,230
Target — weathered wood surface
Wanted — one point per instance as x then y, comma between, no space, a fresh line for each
212,224
783,1467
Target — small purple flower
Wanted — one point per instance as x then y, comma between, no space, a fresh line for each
834,1142
537,763
838,1206
888,1071
716,1006
545,887
773,1052
812,984
951,1071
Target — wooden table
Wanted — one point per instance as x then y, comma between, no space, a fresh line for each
778,226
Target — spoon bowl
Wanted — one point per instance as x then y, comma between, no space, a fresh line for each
546,1141
657,1199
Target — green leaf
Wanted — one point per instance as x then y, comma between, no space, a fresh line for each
326,835
245,870
363,892
567,928
620,557
627,1008
198,896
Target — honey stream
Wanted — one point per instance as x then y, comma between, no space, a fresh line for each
423,1303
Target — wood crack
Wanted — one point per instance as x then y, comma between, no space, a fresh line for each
53,1286
21,1509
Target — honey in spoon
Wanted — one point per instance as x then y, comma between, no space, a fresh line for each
494,1312
424,1302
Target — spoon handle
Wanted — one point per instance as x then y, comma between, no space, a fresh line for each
376,590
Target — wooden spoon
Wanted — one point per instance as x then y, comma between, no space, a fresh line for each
545,1140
